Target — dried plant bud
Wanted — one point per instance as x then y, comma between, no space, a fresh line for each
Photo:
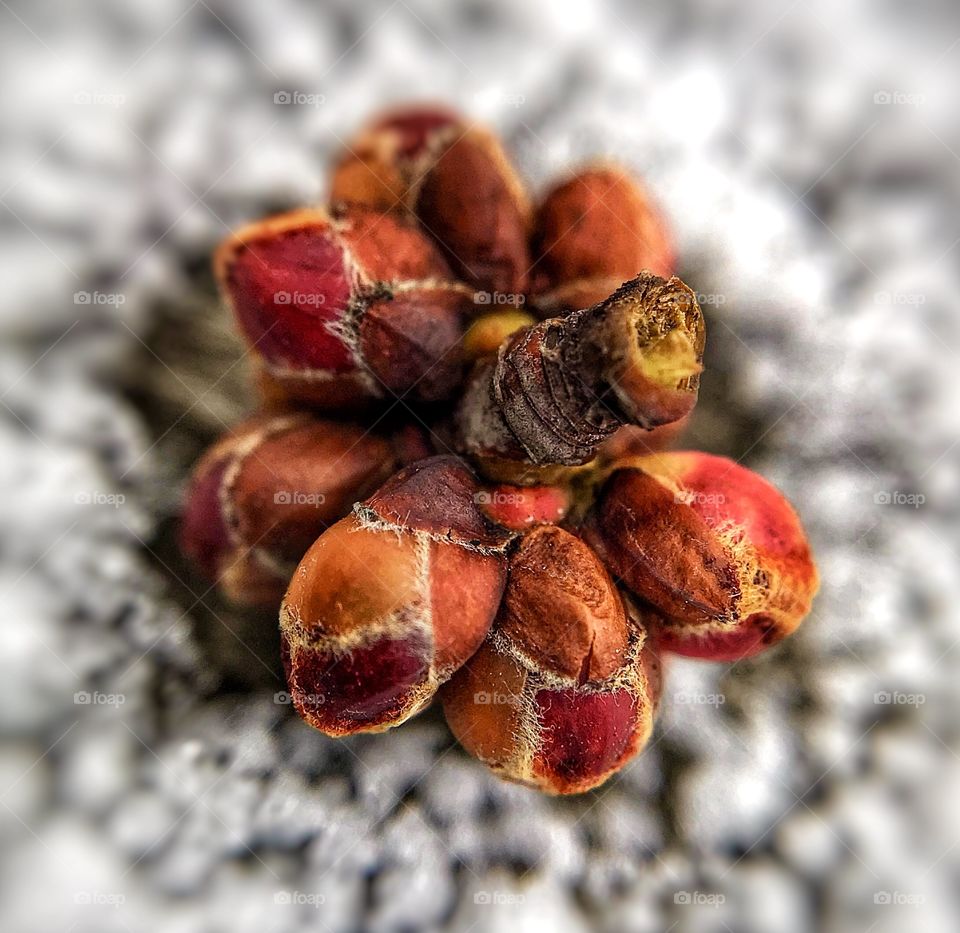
564,691
472,201
302,284
600,224
263,494
390,601
559,389
385,161
458,181
714,548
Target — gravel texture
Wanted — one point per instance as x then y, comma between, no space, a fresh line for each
151,776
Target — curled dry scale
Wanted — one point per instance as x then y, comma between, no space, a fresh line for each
524,546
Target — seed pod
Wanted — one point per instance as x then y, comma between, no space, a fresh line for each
715,549
598,225
391,600
472,202
265,492
562,387
564,690
323,302
384,162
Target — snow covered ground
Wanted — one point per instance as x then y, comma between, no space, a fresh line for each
807,155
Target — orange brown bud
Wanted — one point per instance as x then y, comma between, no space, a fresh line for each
715,549
458,181
264,493
562,387
564,691
472,202
600,224
385,161
389,602
347,309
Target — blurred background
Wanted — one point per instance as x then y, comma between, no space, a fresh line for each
807,157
